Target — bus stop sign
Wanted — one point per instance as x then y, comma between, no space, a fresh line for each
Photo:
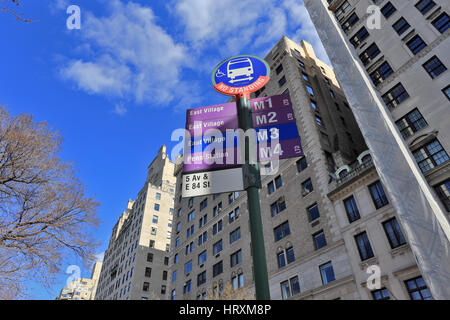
240,75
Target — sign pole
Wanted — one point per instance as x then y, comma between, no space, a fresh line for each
254,209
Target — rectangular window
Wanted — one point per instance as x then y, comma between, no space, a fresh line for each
446,92
217,209
282,81
301,64
202,258
351,209
278,206
191,215
188,267
146,286
381,294
236,258
395,96
281,231
290,255
378,196
314,105
369,54
434,67
217,247
327,273
217,227
416,44
350,22
302,164
401,26
305,76
187,287
342,10
281,258
381,73
285,289
394,233
319,240
156,207
279,69
313,212
203,204
235,235
201,278
310,90
425,5
411,123
155,219
442,23
359,37
388,10
307,187
431,155
417,289
364,247
148,272
217,269
149,257
443,191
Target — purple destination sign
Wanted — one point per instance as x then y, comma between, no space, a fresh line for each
270,103
212,160
218,111
282,150
199,128
273,117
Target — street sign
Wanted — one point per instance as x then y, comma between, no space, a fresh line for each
240,75
276,127
211,182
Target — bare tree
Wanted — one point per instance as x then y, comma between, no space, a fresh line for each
10,6
45,215
229,293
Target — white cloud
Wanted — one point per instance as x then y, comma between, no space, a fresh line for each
139,59
120,109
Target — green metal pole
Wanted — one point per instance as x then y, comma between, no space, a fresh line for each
256,227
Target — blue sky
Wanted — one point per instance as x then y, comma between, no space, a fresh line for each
119,86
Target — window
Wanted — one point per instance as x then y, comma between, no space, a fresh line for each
350,22
203,204
188,267
217,247
203,220
238,281
378,196
191,215
180,212
401,26
351,209
418,289
164,275
281,258
302,164
154,230
189,232
313,212
442,23
411,123
217,227
217,209
282,81
290,288
278,206
301,64
290,255
381,73
155,219
177,242
307,187
395,96
314,105
187,287
364,247
174,276
178,227
369,54
281,231
163,289
156,207
146,286
166,261
202,258
430,156
148,272
434,67
310,90
394,233
217,269
279,69
305,76
173,294
149,257
388,10
446,91
319,240
425,5
202,238
201,278
359,37
191,202
381,294
416,44
158,196
327,273
236,258
189,248
342,10
235,235
443,192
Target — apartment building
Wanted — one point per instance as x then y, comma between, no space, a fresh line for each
407,58
305,250
135,265
82,288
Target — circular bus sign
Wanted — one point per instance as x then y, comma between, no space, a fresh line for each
240,75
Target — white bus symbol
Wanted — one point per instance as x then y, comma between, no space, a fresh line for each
240,67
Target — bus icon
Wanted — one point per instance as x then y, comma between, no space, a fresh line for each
240,67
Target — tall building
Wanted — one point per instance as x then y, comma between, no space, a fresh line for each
82,288
135,265
306,254
407,58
